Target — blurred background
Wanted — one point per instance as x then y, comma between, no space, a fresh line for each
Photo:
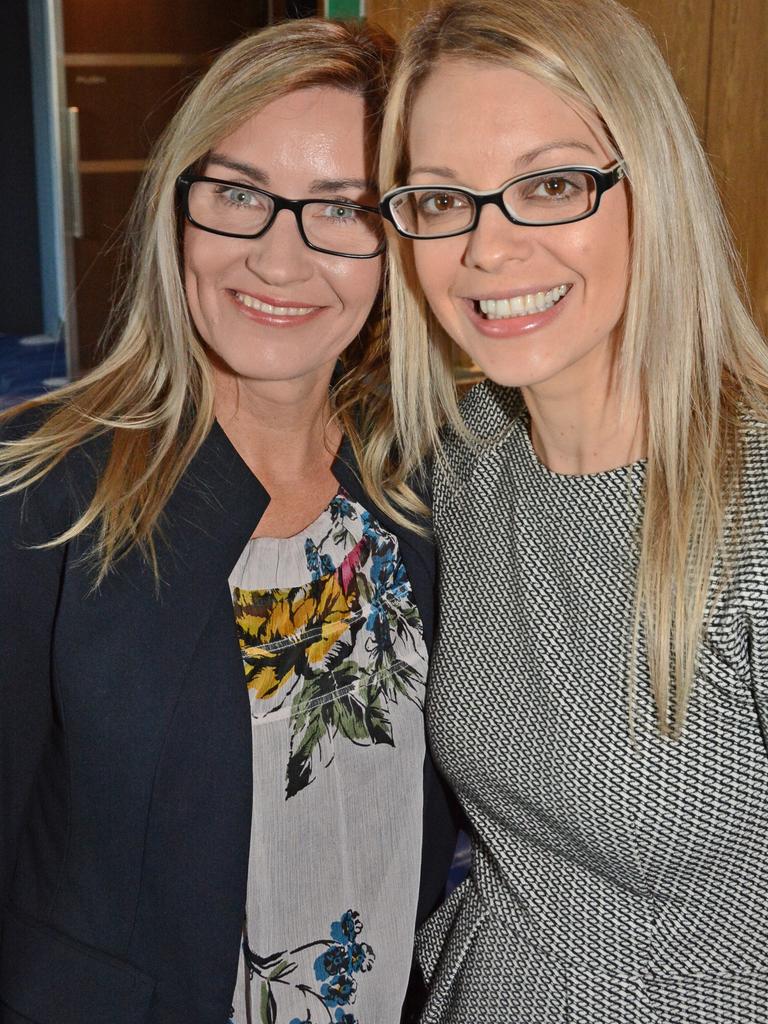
87,86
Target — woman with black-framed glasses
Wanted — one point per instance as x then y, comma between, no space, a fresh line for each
599,688
217,596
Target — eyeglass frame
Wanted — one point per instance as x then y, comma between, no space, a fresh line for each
604,180
184,183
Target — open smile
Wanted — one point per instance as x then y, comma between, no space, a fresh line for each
272,312
288,309
516,314
523,304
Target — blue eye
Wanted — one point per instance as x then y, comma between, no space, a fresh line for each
339,213
233,195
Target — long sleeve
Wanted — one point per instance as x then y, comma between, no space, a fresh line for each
29,587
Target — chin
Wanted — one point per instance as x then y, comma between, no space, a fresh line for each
265,363
505,372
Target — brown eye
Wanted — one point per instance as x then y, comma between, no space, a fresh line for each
555,187
433,204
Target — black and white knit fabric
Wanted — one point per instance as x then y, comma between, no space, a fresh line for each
613,881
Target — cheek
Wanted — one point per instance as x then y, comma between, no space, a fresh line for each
436,263
600,254
615,249
208,258
357,283
197,270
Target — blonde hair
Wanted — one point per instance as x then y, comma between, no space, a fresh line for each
153,392
689,346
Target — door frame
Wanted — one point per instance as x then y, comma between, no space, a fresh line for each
54,181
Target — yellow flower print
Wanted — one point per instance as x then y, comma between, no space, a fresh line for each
282,632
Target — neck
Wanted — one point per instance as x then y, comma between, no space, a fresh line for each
580,430
281,429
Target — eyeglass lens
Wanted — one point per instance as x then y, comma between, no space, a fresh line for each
236,210
544,199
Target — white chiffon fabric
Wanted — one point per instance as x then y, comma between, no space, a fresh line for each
333,643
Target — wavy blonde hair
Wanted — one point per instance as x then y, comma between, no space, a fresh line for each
689,346
153,392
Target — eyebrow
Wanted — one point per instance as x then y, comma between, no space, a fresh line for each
525,160
249,170
533,154
316,187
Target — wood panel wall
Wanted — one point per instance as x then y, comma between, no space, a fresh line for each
716,49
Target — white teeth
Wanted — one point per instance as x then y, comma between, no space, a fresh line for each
522,305
264,307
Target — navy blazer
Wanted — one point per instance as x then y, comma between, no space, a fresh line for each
125,752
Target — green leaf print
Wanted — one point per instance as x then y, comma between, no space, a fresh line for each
348,716
268,1005
327,650
377,720
309,728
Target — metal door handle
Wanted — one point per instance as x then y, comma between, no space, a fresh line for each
73,170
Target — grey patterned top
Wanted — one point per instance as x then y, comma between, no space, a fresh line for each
611,882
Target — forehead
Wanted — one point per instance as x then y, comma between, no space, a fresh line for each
468,113
317,132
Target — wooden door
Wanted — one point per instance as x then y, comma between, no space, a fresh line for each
127,66
716,49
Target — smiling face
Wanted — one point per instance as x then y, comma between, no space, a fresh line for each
532,306
271,308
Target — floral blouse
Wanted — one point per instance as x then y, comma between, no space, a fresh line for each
335,665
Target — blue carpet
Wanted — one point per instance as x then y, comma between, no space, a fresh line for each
29,369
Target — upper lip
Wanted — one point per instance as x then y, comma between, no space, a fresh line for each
512,293
270,300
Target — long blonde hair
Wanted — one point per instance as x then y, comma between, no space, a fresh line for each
153,392
689,346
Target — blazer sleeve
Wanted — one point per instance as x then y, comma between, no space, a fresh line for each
30,580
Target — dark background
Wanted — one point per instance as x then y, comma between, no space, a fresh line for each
21,309
20,303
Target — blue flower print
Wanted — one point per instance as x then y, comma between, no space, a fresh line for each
318,564
313,558
344,1018
348,928
340,508
361,957
342,957
339,991
335,960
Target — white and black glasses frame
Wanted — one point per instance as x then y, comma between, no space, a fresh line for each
393,201
275,204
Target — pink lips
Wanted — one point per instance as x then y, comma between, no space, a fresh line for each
275,319
515,326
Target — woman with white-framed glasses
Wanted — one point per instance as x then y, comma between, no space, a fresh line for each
217,599
599,689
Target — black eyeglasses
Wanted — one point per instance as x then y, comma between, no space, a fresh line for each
238,211
557,195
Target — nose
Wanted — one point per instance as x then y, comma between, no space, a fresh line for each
496,240
280,256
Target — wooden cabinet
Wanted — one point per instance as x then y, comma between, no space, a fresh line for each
716,49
